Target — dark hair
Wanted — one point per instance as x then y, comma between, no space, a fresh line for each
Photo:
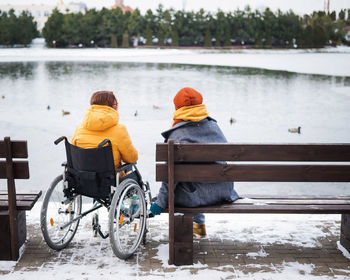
103,97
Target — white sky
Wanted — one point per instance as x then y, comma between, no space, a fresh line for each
298,6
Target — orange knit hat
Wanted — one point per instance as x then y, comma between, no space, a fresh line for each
186,97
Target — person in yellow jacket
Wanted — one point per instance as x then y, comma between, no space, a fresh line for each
101,121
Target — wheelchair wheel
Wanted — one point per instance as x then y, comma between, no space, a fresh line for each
56,211
127,218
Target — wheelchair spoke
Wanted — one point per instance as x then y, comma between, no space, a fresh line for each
56,212
127,219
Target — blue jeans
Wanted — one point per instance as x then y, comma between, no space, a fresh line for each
199,218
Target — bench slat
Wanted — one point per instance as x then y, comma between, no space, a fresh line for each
21,205
20,197
31,192
19,149
268,209
20,170
198,152
295,197
255,173
24,202
250,201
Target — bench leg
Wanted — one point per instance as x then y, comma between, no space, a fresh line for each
345,231
5,234
183,240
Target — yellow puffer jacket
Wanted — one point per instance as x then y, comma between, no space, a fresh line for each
101,122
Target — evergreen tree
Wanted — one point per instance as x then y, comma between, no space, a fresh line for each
105,28
71,29
148,36
258,40
108,28
53,30
163,20
269,24
117,24
227,41
114,42
306,41
174,36
333,16
220,26
217,39
14,35
160,36
319,37
17,29
207,38
134,24
27,28
150,26
125,43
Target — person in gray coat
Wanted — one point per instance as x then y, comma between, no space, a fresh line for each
192,124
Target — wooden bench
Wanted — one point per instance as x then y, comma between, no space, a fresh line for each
195,162
13,206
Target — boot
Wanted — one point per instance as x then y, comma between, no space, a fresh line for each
199,231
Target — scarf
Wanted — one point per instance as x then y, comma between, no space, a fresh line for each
194,113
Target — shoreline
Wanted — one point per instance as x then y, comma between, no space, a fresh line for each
330,62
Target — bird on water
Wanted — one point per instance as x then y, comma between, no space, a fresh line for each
295,130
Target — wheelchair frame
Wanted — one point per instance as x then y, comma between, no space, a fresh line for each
120,201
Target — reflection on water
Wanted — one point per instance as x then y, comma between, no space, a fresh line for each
69,68
264,104
17,70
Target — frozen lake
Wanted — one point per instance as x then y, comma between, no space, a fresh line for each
264,103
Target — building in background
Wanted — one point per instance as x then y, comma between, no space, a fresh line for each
120,4
42,12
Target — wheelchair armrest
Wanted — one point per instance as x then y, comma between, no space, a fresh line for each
126,166
64,163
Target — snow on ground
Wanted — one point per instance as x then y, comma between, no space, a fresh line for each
92,258
7,265
346,254
329,61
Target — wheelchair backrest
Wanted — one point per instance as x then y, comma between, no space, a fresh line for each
90,172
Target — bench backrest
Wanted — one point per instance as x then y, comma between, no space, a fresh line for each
10,150
194,162
10,170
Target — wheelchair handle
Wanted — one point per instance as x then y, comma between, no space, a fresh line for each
60,139
104,142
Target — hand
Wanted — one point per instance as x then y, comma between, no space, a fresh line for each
156,209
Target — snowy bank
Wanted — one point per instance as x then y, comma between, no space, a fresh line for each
329,61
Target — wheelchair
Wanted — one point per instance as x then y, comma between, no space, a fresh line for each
91,172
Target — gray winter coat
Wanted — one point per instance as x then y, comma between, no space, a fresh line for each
202,193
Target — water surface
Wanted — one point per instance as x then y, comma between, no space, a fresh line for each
263,103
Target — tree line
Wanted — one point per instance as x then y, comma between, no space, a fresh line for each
262,29
169,27
15,30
